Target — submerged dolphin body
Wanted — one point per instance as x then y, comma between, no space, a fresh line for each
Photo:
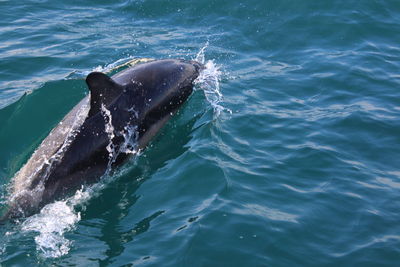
98,132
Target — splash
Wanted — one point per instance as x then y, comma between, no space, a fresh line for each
129,146
51,223
58,218
200,57
131,136
109,128
209,82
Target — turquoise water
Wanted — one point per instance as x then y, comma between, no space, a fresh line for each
296,163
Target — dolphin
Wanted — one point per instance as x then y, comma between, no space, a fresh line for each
118,118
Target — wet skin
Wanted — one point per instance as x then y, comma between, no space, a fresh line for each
136,102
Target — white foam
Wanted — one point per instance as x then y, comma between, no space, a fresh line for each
58,218
51,223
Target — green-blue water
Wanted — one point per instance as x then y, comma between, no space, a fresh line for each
304,170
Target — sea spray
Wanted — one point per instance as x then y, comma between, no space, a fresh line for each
209,82
51,223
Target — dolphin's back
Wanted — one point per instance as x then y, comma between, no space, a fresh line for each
77,151
50,146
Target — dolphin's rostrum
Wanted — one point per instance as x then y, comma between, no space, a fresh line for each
95,134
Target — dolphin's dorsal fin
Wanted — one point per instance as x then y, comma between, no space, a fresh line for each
103,90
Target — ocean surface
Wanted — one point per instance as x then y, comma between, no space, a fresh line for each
286,154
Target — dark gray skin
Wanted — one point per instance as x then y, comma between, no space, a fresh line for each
144,96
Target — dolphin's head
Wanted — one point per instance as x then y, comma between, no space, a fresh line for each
199,67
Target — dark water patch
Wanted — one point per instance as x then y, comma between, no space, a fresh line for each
24,124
